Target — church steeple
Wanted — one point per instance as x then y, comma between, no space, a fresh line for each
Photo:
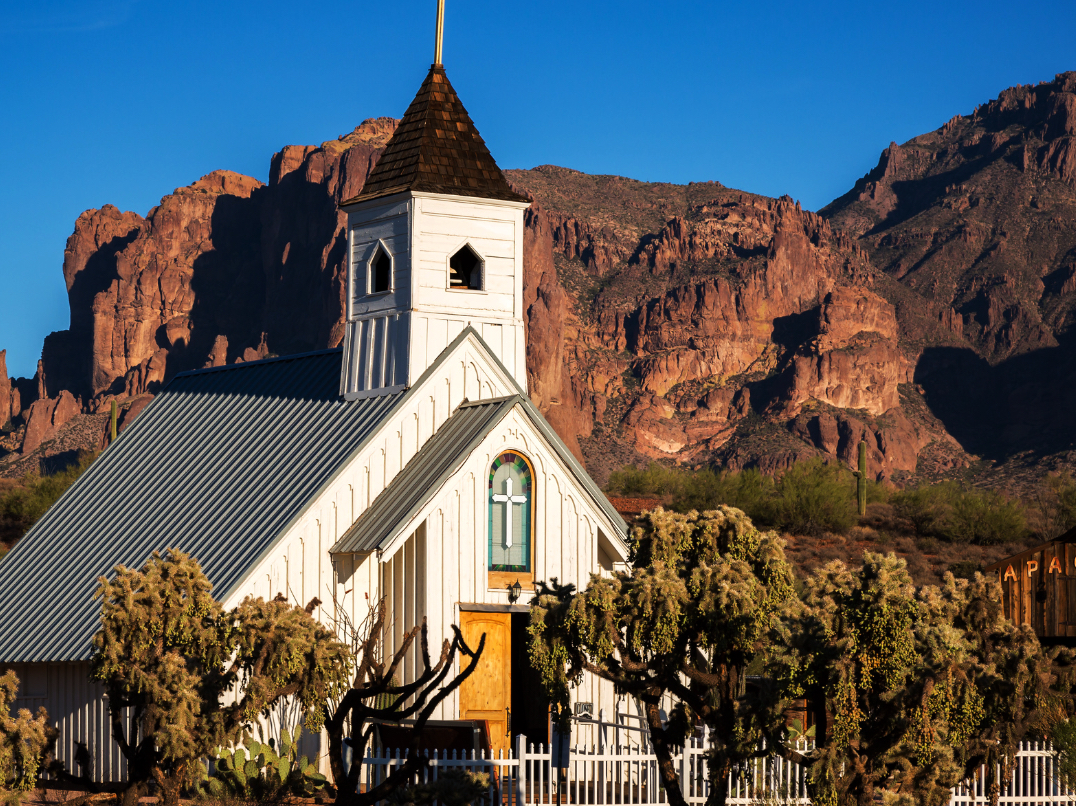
435,240
437,149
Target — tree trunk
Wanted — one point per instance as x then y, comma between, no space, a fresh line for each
719,782
669,779
132,793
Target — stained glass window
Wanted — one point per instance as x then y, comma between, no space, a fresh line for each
511,494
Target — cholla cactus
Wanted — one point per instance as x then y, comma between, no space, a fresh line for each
25,739
705,600
914,688
196,676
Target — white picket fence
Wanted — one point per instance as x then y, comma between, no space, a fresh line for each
628,775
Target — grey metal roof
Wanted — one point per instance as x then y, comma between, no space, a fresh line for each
219,465
423,476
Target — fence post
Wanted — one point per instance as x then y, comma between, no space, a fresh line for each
521,752
685,768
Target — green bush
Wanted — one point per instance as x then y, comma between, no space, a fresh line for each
747,490
1055,505
810,498
21,506
655,480
986,517
926,507
950,513
814,497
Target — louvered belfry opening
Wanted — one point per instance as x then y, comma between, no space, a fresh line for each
465,269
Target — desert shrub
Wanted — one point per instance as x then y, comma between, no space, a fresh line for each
965,569
877,492
1053,505
947,512
985,517
810,498
926,506
747,490
654,480
814,497
30,498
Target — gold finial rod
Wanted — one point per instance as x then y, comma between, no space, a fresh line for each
440,31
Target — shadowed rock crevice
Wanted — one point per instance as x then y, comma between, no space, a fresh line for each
1019,405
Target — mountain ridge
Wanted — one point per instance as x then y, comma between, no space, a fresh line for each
686,323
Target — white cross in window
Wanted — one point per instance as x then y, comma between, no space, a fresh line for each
508,499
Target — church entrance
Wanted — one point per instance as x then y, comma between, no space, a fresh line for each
504,690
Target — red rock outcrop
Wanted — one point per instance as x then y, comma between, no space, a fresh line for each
735,305
855,361
689,323
226,269
7,401
46,417
978,219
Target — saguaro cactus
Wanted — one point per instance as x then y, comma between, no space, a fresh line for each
112,433
861,478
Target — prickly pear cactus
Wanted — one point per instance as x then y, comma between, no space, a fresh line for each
265,774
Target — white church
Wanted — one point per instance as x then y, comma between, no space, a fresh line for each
410,464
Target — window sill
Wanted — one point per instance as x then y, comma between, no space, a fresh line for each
502,580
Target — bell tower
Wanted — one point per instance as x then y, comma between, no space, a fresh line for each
435,243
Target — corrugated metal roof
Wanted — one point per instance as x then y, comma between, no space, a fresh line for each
423,476
218,465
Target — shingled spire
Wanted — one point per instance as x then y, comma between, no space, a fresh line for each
437,149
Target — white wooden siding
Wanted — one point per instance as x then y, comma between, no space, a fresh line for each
79,709
391,339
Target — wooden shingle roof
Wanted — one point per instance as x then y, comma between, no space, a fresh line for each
437,149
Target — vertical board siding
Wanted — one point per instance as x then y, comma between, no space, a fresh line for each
452,540
422,315
1038,588
77,707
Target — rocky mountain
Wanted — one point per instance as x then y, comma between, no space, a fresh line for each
692,323
703,324
979,219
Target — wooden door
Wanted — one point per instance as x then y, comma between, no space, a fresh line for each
487,693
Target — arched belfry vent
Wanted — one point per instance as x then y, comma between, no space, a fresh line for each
465,269
380,271
437,149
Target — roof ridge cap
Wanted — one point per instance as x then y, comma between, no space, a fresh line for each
258,362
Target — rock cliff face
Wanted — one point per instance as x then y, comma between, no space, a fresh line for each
925,312
978,219
697,324
224,270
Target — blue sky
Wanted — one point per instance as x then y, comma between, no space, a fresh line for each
121,101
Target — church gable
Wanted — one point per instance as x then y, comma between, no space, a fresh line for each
298,562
